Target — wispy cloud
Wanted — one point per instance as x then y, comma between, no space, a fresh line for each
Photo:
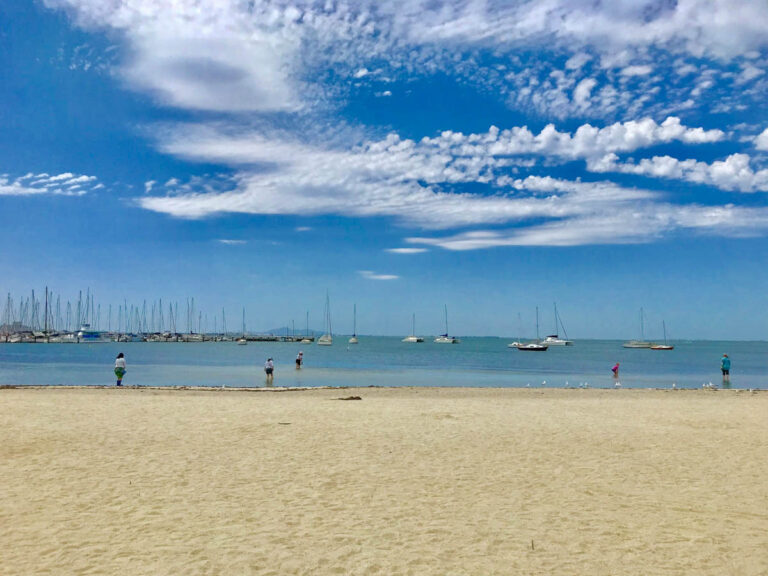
415,181
407,250
269,56
65,184
637,224
369,275
276,72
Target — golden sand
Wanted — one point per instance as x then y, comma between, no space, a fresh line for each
404,481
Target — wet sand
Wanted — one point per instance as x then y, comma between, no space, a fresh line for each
404,481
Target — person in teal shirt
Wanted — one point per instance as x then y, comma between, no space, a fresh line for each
725,366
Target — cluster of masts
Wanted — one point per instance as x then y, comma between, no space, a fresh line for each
51,319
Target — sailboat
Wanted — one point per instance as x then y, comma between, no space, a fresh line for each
554,339
242,341
444,338
536,346
642,343
353,340
413,338
664,346
327,338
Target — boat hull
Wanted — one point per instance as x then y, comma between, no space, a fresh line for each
532,348
637,344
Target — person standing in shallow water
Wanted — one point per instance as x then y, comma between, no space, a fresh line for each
120,368
615,370
269,370
299,360
725,367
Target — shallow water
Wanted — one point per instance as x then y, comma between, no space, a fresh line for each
385,361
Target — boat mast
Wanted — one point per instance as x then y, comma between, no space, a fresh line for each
446,318
642,327
46,313
354,320
537,323
557,328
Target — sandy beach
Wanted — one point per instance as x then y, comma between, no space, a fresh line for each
404,481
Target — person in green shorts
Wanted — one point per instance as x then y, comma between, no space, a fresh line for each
120,368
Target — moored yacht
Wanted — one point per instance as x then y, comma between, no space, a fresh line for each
88,336
444,338
413,338
555,340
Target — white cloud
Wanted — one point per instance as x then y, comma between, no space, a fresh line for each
369,275
640,224
303,228
638,70
583,91
229,242
407,250
749,73
761,141
269,55
264,63
577,61
734,173
65,184
413,181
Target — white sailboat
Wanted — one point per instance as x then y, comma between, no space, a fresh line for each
413,338
536,346
664,346
444,338
242,340
353,340
554,339
642,343
327,338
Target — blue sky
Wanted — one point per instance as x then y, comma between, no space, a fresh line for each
489,156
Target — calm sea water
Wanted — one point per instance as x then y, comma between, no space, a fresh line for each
385,361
